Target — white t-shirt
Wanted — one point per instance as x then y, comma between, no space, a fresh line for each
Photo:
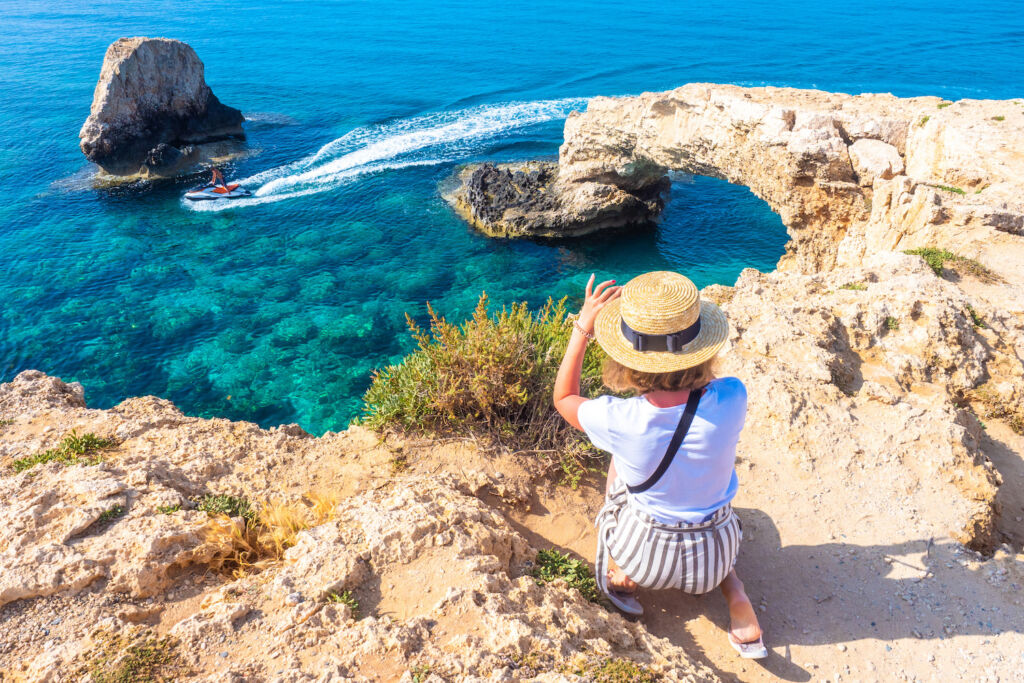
702,477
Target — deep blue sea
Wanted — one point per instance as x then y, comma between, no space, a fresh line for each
278,309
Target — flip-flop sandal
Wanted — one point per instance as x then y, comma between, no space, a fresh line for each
626,602
752,650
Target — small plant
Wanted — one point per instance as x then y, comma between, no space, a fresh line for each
975,318
420,673
72,450
980,189
399,463
346,597
855,286
924,120
999,408
615,670
892,323
937,258
223,504
168,509
950,188
943,105
6,422
998,118
551,565
110,513
124,659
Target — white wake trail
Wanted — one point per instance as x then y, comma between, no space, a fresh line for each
418,141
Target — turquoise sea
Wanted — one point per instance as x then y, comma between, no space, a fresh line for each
278,309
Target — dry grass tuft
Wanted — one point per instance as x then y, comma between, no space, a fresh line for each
247,545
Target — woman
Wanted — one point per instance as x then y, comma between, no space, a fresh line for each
667,521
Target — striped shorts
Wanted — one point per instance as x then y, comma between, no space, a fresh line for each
695,558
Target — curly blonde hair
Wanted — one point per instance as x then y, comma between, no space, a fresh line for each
618,377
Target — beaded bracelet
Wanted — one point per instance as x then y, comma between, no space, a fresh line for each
574,318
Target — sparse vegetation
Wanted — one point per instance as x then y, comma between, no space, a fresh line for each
937,259
399,463
924,120
121,658
72,450
420,673
998,118
892,323
6,422
346,598
614,670
223,504
267,531
943,105
995,406
551,565
980,189
975,317
110,513
490,378
168,509
950,188
855,286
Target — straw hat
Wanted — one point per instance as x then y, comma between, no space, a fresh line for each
659,324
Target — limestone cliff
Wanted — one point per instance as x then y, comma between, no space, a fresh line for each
849,175
151,108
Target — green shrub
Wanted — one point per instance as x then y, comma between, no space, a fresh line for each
345,598
72,450
168,509
491,377
950,188
222,504
943,105
998,118
892,323
551,565
855,286
924,120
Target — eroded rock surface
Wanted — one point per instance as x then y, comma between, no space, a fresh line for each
152,110
528,200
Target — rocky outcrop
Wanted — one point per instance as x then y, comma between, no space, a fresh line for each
152,110
441,580
849,175
527,200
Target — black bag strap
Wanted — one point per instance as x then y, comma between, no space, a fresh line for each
673,446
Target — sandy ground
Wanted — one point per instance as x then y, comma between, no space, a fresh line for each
843,593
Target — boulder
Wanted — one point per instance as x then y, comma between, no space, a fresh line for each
875,159
151,103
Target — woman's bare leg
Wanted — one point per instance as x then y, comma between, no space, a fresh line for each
743,627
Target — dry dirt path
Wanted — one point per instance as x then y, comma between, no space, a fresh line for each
843,593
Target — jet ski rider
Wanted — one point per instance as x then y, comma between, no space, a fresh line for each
217,179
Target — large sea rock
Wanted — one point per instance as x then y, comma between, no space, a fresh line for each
152,110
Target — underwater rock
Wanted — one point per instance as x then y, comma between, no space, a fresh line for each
150,106
527,200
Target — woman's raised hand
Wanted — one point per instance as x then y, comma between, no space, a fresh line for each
596,298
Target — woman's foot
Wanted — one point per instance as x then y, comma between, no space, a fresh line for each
620,583
743,626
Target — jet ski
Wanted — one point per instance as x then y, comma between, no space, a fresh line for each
208,192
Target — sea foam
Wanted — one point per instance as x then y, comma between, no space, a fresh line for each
417,141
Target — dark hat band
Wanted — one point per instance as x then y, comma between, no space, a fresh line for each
660,342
